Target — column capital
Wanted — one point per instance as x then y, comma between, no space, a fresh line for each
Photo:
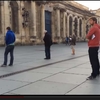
59,8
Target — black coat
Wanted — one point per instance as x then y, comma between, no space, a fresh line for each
47,39
73,41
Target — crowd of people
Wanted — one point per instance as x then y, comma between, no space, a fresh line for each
93,37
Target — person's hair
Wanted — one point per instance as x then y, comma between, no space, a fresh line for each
94,19
8,28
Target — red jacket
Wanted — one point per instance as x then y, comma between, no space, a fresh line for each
94,36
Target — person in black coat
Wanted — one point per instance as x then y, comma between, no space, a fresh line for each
47,42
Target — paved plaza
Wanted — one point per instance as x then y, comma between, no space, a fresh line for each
64,74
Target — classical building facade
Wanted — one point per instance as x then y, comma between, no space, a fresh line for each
29,19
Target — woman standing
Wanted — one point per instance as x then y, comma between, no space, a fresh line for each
73,43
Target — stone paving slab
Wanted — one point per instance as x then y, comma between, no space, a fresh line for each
27,77
44,88
67,78
96,81
8,85
9,94
85,66
79,71
86,89
4,72
69,64
48,70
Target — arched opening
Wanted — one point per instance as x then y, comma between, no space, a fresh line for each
75,26
0,21
80,27
70,25
87,28
48,21
14,16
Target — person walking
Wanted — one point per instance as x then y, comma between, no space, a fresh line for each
67,40
9,41
73,43
48,42
93,37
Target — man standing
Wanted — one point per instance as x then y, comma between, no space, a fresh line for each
48,42
9,41
93,37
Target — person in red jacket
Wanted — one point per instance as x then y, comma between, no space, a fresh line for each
93,37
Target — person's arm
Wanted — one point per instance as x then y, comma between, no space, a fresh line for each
90,33
44,39
14,38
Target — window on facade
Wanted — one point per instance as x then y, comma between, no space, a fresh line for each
70,25
87,29
75,26
0,21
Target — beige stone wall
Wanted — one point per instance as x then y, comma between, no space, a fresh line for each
34,32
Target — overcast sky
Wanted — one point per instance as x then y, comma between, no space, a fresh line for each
91,4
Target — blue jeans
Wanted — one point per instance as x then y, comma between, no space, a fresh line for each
47,52
9,49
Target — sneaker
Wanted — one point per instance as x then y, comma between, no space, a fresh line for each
90,78
3,65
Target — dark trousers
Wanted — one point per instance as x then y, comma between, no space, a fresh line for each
67,42
94,60
9,49
47,52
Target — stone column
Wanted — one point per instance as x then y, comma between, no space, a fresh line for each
64,25
2,18
53,26
67,25
33,10
58,23
84,28
21,21
2,23
78,25
42,21
20,27
6,15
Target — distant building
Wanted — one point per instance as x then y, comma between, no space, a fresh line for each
29,19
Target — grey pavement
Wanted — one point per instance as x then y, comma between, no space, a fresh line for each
65,75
